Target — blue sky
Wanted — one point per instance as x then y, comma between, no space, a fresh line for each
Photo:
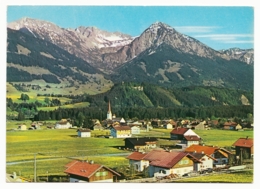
219,27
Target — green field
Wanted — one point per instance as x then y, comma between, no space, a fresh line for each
239,177
55,148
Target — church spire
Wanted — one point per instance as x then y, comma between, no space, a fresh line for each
109,112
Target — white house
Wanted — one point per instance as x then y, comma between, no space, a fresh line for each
135,130
137,160
220,154
84,132
163,163
206,161
168,126
121,132
63,124
179,133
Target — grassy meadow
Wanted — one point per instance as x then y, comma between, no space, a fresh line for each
55,148
238,177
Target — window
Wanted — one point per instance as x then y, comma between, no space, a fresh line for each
186,161
105,173
97,174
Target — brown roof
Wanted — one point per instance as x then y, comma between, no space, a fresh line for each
192,138
84,130
136,156
85,169
122,128
207,150
161,158
230,123
179,131
198,148
244,142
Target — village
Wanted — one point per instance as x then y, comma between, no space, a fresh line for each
187,156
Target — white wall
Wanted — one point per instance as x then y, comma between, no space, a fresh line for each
190,132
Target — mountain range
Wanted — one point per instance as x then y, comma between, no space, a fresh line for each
41,50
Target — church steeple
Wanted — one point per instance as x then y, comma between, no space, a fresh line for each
109,112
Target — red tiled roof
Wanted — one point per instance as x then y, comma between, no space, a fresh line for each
179,131
136,156
198,148
167,159
244,142
161,158
192,138
230,123
84,169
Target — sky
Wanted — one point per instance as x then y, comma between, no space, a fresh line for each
219,27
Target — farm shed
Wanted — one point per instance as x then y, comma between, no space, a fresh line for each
84,132
244,145
22,127
140,143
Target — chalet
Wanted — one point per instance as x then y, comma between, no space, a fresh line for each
121,132
135,130
163,163
206,161
63,124
244,145
179,133
199,125
185,123
168,126
189,140
22,127
97,127
231,126
36,125
156,123
136,159
220,154
119,120
141,144
84,132
90,172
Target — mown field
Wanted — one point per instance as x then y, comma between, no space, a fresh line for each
55,148
238,177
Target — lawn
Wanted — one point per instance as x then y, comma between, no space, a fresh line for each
239,177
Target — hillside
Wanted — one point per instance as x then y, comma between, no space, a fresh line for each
147,95
33,60
169,67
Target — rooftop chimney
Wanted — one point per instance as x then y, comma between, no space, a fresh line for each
246,137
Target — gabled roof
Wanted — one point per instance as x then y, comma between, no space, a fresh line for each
161,158
201,149
244,142
122,128
85,169
201,155
207,150
167,159
192,138
84,130
179,131
141,141
136,156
